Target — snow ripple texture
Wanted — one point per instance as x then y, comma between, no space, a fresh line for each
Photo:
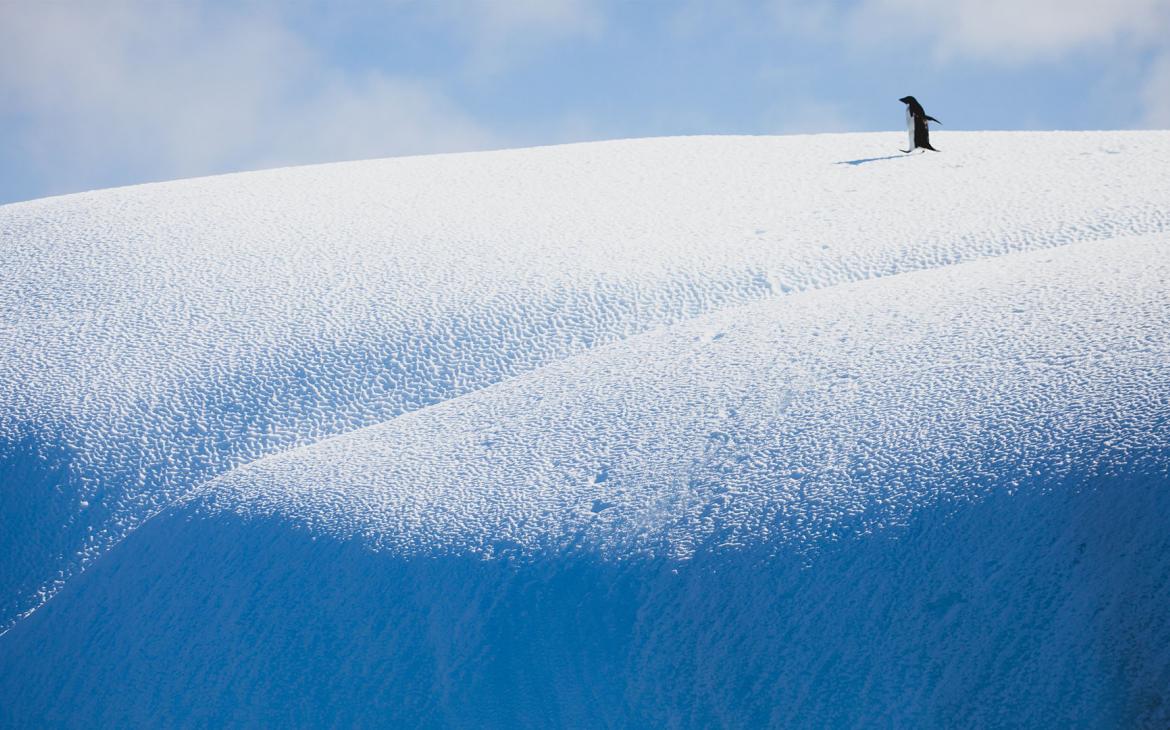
793,422
466,307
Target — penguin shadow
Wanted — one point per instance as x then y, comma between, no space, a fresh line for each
865,160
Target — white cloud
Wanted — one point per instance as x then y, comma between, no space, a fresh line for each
696,18
501,32
1156,94
375,116
1014,31
504,19
808,116
1021,33
176,89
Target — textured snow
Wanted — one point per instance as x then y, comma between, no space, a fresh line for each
160,335
775,367
789,421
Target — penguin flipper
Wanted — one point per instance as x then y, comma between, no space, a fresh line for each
932,119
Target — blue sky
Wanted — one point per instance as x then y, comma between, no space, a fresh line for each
97,93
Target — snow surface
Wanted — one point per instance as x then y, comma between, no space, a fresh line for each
690,431
792,420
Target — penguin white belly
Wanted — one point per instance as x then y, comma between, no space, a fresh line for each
910,128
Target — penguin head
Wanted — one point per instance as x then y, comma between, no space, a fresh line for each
908,100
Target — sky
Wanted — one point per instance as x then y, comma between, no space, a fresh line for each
99,93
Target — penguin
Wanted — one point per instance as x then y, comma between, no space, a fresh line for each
916,126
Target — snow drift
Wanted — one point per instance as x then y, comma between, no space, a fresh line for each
732,431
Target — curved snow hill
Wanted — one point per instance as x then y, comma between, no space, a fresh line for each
733,431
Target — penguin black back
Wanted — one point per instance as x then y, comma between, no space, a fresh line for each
917,124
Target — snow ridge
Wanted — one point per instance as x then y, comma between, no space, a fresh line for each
789,422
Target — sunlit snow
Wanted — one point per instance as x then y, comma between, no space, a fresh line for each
673,369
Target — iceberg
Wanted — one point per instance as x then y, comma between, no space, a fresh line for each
739,431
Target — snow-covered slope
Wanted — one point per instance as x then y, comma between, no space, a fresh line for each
788,422
682,431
